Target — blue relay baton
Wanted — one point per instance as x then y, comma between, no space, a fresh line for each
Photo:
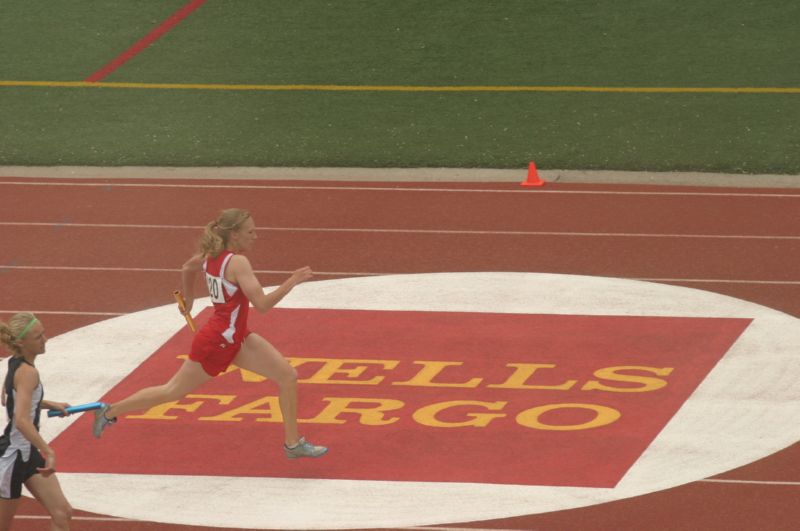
76,409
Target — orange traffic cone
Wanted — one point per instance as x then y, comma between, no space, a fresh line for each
533,176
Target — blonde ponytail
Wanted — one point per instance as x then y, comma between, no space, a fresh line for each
15,329
217,233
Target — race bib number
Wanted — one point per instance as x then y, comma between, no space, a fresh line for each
215,288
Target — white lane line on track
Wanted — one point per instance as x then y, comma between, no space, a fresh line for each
398,189
66,312
172,270
78,518
722,281
68,224
4,268
113,519
64,224
752,482
436,528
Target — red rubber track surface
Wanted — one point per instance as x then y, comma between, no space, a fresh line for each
128,239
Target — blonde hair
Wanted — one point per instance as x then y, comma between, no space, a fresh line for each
13,330
217,233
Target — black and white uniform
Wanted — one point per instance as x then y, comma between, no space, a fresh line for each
18,458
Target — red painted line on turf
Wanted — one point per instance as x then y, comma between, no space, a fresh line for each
146,41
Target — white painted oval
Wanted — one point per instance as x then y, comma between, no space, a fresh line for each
747,408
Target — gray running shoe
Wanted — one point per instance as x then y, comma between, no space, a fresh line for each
304,449
101,421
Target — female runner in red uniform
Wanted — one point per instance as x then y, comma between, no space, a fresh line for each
225,339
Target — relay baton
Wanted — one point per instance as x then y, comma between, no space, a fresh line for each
76,409
182,306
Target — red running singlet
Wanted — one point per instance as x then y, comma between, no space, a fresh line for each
219,340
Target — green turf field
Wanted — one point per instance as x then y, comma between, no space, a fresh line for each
255,44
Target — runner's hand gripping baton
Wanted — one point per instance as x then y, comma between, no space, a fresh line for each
75,409
182,306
